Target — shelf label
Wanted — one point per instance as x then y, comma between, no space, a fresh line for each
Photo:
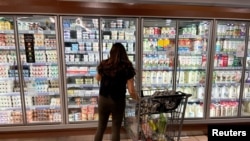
240,50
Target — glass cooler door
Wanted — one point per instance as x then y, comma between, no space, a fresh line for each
227,68
158,52
121,30
39,61
10,98
193,52
245,107
81,53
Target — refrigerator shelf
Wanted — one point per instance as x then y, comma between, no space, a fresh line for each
79,75
239,38
226,84
82,85
229,52
197,100
159,36
7,31
7,47
191,53
82,63
81,40
41,93
190,85
155,52
128,52
40,48
159,68
83,95
41,64
121,41
30,78
214,100
10,94
184,68
37,32
82,52
82,105
40,78
8,64
245,114
41,107
192,36
246,99
247,84
156,85
44,121
10,108
119,29
65,28
228,68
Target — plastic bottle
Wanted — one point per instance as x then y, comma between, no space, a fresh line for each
218,46
204,47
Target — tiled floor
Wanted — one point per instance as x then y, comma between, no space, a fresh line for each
90,138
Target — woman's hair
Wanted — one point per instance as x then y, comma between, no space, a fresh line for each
118,60
118,54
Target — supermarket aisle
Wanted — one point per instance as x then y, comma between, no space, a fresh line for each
90,138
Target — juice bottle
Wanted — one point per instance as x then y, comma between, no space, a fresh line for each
160,44
166,43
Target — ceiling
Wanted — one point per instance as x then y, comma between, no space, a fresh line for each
230,3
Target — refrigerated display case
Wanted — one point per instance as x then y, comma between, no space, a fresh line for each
192,70
39,61
81,57
10,95
228,68
158,52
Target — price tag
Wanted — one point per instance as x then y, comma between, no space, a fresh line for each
52,107
31,32
170,52
240,50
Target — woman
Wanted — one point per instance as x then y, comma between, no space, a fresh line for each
114,73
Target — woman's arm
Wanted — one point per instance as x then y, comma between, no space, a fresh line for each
98,77
132,90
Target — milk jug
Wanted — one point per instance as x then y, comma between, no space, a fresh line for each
200,92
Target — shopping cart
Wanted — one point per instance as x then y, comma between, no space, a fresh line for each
161,115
